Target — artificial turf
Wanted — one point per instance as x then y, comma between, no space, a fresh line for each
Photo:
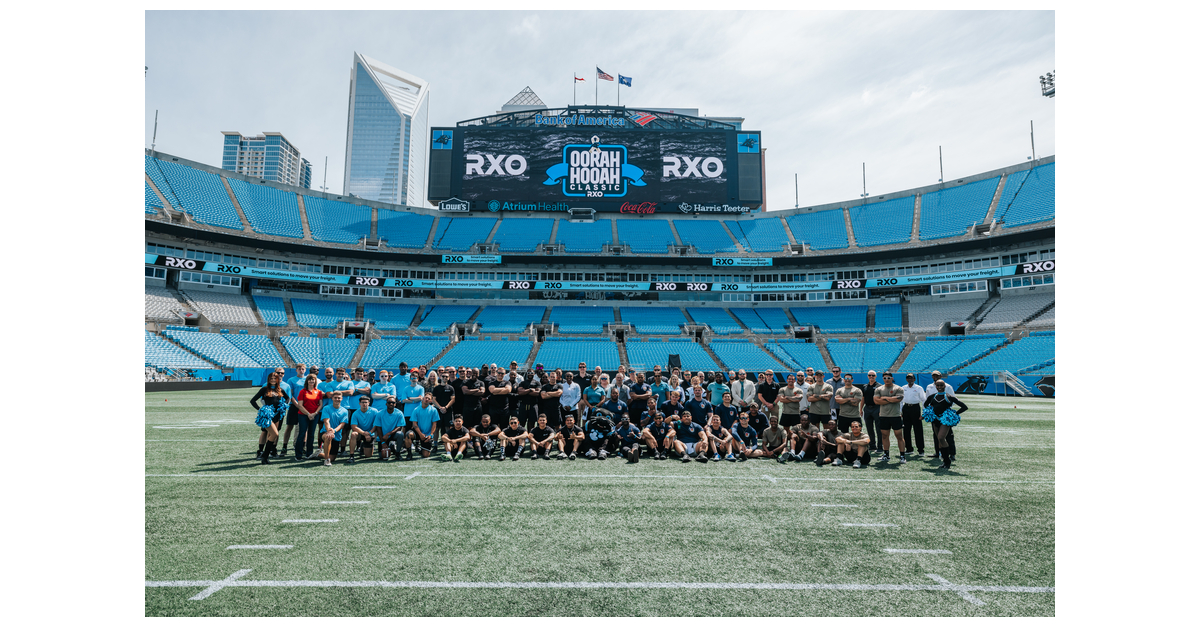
595,521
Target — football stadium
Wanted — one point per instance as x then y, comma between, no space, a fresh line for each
573,367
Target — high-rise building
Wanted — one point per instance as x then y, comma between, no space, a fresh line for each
269,156
387,134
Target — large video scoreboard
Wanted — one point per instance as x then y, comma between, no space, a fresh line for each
608,162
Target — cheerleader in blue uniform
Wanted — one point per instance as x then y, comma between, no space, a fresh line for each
273,410
940,406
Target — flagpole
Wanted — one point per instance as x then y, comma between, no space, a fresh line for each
597,85
618,89
573,90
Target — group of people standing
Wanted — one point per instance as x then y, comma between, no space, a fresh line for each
500,413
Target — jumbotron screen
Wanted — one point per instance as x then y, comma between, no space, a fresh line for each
605,169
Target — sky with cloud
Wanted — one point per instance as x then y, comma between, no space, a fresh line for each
828,90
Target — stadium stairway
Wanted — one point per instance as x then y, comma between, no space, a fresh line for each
870,326
992,301
362,347
439,356
546,316
287,357
904,316
293,321
788,229
553,232
374,222
303,218
188,350
741,249
991,212
238,207
433,229
670,223
916,230
1008,340
492,233
904,355
825,352
1036,314
708,349
261,320
624,354
851,242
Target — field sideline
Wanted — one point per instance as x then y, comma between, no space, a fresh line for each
595,538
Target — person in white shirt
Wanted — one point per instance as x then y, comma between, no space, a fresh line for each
743,391
930,390
571,394
910,413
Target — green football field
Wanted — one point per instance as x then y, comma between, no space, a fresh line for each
595,538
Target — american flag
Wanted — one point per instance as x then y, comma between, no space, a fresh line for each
602,76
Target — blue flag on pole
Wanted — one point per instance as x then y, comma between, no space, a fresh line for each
625,80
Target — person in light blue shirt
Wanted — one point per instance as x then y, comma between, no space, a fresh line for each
327,386
295,384
382,390
717,389
423,419
346,387
362,423
334,418
411,395
362,387
389,426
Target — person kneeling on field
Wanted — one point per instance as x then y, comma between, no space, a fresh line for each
455,439
600,433
631,440
569,439
390,427
484,437
775,441
333,418
690,439
512,438
659,436
805,439
856,445
828,449
745,438
540,438
361,425
423,419
719,438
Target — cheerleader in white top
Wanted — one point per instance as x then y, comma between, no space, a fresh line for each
940,406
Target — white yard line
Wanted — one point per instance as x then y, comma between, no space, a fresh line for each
930,551
831,505
409,478
806,490
373,487
867,525
541,476
310,520
345,502
235,581
259,546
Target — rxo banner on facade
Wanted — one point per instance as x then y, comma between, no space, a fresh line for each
670,286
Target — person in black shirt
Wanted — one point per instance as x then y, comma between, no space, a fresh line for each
512,437
540,438
758,420
483,437
938,407
659,437
871,410
648,415
499,390
473,391
549,403
443,399
829,449
600,435
690,438
672,407
639,394
455,439
274,409
719,439
569,439
528,395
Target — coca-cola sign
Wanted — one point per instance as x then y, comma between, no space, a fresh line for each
641,207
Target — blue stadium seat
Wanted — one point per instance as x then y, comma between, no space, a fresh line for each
214,347
200,193
584,237
1029,355
708,236
272,310
646,355
833,318
486,350
337,221
950,212
860,357
459,234
880,223
269,210
322,314
764,235
257,347
1028,197
438,319
798,354
743,355
645,236
762,319
389,352
888,318
390,316
667,320
509,318
156,175
822,230
163,354
946,353
566,353
152,201
718,320
402,229
581,319
321,352
522,235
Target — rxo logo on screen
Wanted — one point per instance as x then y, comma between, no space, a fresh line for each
514,165
672,287
848,285
1041,266
176,262
366,280
710,167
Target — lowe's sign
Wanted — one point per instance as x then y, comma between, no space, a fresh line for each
454,204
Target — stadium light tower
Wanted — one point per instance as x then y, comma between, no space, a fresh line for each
1047,84
864,194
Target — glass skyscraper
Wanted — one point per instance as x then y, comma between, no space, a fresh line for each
269,156
387,134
